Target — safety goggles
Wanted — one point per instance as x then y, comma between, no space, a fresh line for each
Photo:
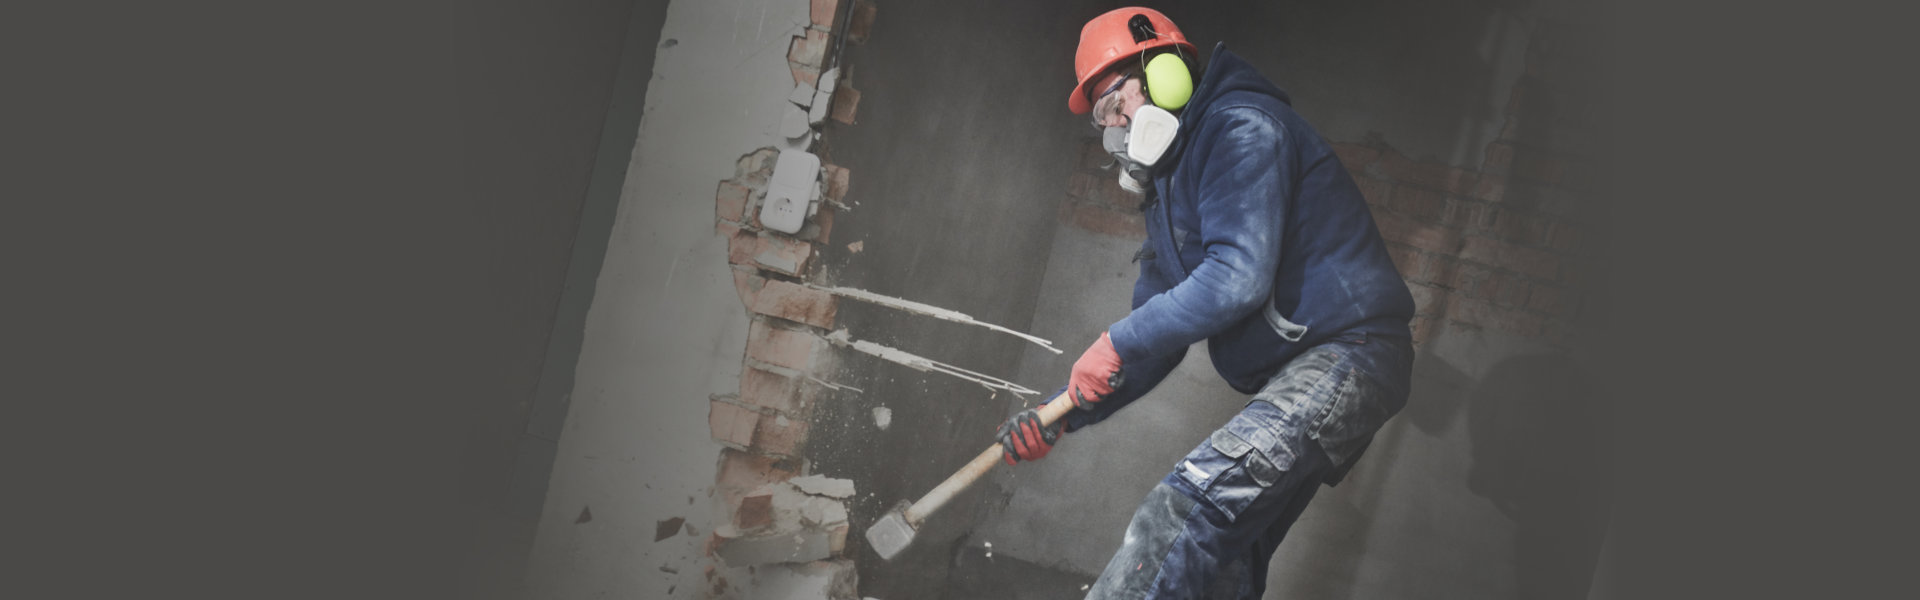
1106,104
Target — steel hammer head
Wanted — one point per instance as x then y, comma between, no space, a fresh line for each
891,534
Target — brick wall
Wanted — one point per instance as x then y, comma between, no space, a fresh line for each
1508,246
779,530
764,425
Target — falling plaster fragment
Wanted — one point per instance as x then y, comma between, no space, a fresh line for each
927,310
821,485
856,247
919,363
882,417
667,528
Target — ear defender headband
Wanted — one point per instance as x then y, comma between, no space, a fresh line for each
1168,81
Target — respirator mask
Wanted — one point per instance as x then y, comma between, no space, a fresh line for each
1140,145
1137,147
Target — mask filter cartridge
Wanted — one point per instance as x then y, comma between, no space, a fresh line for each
1140,145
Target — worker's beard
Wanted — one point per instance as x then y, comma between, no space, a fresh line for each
1140,145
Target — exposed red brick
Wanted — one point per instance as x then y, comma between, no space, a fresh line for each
1403,170
741,472
845,101
782,254
1521,228
1438,268
1432,238
1376,191
741,244
1097,218
823,12
781,347
1406,259
1421,267
1510,130
730,201
1503,289
1499,158
755,511
824,219
760,387
779,434
804,74
836,180
747,284
1466,279
860,25
730,423
1552,300
1537,263
1522,93
1355,157
809,50
796,303
1484,314
1467,214
1492,188
1419,204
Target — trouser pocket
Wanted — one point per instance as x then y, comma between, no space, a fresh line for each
1240,461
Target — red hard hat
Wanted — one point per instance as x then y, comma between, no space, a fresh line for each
1118,35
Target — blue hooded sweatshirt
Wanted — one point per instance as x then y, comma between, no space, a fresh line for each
1258,241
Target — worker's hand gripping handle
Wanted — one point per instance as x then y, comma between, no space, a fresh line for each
1054,410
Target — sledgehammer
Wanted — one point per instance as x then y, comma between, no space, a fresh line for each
893,532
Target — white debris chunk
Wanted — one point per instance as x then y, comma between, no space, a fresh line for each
821,485
882,417
802,95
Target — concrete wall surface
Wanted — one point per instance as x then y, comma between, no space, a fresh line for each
665,329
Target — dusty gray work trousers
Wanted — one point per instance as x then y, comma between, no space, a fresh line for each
1210,528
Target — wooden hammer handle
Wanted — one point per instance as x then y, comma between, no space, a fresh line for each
1056,408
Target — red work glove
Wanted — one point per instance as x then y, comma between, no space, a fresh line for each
1022,437
1095,374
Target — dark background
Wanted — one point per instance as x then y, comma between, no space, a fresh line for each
257,319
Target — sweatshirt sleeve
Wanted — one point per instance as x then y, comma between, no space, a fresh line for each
1243,195
1137,377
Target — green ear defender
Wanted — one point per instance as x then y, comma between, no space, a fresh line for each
1169,83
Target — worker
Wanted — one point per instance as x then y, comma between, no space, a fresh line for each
1259,242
